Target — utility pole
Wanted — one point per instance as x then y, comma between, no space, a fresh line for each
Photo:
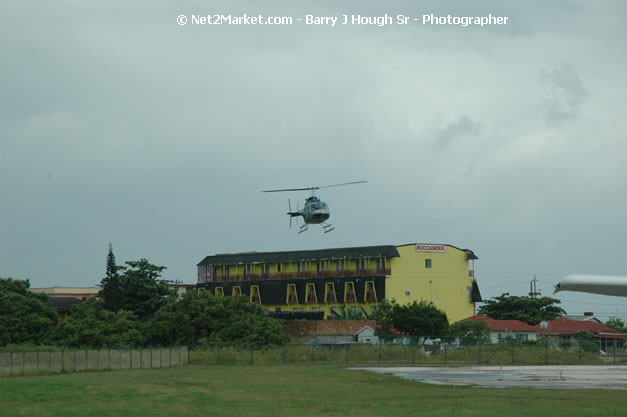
533,288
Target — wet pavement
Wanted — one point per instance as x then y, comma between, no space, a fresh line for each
552,376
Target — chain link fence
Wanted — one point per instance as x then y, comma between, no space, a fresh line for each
42,362
511,352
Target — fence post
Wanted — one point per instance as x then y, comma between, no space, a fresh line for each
413,352
11,363
151,357
38,358
161,357
179,349
445,353
218,363
109,355
86,360
170,357
62,360
284,353
23,362
141,358
546,350
513,350
130,360
98,358
50,360
579,344
379,350
480,343
252,353
313,353
346,347
614,351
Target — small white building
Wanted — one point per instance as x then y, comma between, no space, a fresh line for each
366,335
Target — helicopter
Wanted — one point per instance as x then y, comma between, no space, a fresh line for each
315,210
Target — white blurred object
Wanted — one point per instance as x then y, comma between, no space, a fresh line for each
597,284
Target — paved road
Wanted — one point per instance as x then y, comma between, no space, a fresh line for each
553,376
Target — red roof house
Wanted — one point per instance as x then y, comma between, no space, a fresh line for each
501,329
568,327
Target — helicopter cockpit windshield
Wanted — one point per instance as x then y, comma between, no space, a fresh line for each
318,205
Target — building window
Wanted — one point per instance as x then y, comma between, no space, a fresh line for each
311,297
298,309
255,296
427,263
349,293
370,295
315,309
292,296
329,296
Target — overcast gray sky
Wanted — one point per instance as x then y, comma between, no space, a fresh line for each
118,125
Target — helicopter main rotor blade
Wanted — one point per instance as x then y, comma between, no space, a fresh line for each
312,188
290,189
337,185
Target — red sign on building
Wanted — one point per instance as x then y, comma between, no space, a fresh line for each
429,247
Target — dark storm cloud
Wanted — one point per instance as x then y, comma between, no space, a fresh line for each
566,93
462,127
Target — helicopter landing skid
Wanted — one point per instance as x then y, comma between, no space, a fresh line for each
303,228
327,227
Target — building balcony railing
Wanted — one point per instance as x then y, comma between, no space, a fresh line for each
297,275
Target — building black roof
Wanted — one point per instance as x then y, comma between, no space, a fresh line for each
386,251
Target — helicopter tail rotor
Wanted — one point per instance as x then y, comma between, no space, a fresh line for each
291,213
289,206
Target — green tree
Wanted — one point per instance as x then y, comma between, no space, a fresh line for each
24,316
112,268
199,318
417,318
531,310
137,289
470,330
90,324
348,313
111,290
616,323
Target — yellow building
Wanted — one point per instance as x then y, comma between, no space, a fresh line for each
324,279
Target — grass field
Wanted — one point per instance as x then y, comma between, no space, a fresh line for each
282,390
